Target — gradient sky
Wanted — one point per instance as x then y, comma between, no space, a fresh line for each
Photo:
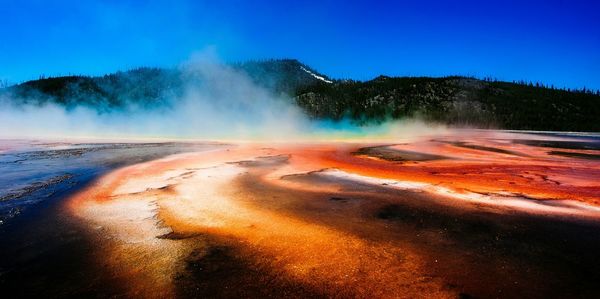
556,42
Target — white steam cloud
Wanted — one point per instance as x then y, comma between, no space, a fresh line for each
224,104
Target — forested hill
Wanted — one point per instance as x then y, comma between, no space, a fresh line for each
452,100
149,87
456,100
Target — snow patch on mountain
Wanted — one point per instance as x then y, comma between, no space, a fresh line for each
315,75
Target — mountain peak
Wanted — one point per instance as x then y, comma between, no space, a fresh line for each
381,78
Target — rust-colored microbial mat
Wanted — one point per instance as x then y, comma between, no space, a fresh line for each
483,214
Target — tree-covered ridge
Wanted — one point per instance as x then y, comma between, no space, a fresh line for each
148,87
141,86
281,75
452,100
455,100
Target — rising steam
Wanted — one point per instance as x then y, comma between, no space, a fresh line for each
221,104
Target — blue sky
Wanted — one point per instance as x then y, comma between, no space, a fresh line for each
556,42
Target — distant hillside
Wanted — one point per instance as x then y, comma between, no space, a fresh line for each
143,86
149,87
451,100
286,75
455,100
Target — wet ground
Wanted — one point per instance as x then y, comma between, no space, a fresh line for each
465,215
33,171
42,250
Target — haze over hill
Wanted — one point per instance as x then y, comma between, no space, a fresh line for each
454,100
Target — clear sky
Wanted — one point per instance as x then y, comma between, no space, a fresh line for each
556,42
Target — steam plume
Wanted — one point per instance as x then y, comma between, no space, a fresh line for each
220,103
